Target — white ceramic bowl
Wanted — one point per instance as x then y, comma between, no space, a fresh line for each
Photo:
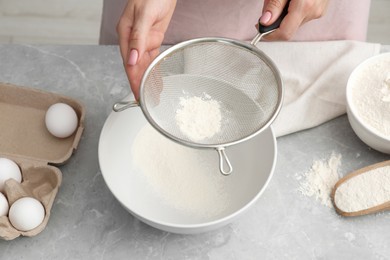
253,164
372,68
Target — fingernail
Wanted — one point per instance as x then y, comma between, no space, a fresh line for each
133,57
264,19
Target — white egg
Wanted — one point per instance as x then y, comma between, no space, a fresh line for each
26,214
8,170
3,205
61,120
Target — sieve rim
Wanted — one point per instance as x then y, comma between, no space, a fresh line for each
236,43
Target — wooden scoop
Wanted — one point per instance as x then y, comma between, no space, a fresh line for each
377,208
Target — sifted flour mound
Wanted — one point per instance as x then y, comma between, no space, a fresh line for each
198,118
319,181
364,191
185,178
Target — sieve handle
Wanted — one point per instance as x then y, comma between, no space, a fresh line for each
264,30
276,24
122,105
224,161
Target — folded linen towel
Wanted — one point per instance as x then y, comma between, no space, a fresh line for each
315,76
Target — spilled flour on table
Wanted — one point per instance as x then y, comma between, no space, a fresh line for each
358,193
319,181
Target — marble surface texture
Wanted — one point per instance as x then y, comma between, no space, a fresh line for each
88,223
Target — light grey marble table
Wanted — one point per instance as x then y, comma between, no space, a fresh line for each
88,223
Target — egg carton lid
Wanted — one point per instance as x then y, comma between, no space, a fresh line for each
23,133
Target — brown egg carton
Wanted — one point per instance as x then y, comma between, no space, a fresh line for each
25,139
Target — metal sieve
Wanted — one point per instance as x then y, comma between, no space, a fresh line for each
240,77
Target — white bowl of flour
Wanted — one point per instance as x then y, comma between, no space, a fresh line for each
176,188
368,102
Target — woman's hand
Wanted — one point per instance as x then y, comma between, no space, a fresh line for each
299,12
141,30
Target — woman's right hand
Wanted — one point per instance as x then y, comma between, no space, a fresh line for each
299,12
141,30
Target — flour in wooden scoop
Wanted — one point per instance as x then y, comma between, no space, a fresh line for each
364,191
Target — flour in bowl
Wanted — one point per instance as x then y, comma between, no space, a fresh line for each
198,118
372,96
186,179
386,89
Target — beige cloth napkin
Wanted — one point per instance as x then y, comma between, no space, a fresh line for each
315,76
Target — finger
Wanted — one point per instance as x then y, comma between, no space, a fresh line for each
287,28
123,29
133,28
136,72
138,37
272,9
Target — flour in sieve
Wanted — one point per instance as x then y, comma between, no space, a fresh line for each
372,96
319,181
364,191
184,178
198,117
